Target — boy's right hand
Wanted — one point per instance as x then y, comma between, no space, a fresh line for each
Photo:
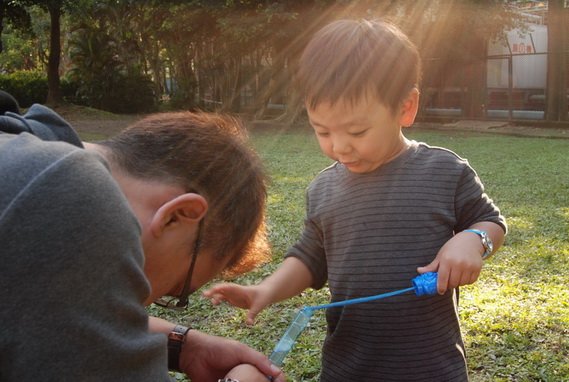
291,278
245,297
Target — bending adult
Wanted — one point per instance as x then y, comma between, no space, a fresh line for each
91,233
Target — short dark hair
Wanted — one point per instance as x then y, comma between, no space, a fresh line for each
207,154
352,59
8,103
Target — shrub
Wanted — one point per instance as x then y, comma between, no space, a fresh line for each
70,91
28,87
129,93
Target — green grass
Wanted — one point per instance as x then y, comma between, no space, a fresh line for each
515,319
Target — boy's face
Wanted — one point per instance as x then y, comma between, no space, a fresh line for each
362,136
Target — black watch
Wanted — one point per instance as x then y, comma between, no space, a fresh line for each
176,339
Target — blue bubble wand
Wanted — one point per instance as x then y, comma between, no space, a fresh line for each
425,284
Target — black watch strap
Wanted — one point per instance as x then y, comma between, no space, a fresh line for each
175,341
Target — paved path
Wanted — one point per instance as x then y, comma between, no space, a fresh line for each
499,127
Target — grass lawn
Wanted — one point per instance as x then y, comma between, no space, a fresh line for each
515,319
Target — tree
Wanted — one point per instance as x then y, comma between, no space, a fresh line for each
55,8
557,61
16,15
220,50
453,38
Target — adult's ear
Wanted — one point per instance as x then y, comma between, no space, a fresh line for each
409,108
186,209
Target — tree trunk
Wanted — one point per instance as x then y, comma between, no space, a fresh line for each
556,93
53,83
294,107
2,14
273,82
235,90
473,104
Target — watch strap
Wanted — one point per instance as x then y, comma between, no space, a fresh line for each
485,240
176,339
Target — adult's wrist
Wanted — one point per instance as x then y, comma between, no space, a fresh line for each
176,339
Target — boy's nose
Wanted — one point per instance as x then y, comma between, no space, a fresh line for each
341,147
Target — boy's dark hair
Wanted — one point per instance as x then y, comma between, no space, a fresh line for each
352,59
207,154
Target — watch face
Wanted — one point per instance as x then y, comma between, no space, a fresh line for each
490,246
487,242
178,337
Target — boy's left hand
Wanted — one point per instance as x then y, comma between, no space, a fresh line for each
458,262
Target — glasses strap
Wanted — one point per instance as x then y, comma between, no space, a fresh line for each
183,300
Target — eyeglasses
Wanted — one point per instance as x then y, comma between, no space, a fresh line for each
181,302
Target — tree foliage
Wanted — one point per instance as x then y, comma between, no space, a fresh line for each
55,8
105,66
16,16
240,55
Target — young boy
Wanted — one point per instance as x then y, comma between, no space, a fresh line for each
386,209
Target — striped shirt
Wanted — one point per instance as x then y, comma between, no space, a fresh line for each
366,234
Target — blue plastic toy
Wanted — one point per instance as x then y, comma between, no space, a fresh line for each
425,284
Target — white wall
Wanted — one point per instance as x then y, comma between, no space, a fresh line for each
529,71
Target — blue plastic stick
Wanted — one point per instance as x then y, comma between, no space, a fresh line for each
425,284
360,299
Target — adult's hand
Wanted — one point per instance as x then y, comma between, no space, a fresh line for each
206,358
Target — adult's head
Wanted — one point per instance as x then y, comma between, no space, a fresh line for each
8,103
349,60
183,172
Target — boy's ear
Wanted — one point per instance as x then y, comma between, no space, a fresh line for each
409,108
185,209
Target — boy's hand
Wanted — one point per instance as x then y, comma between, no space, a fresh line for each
458,262
245,297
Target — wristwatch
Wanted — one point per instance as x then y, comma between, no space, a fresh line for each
227,380
176,339
486,242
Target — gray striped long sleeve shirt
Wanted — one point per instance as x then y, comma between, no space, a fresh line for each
366,234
